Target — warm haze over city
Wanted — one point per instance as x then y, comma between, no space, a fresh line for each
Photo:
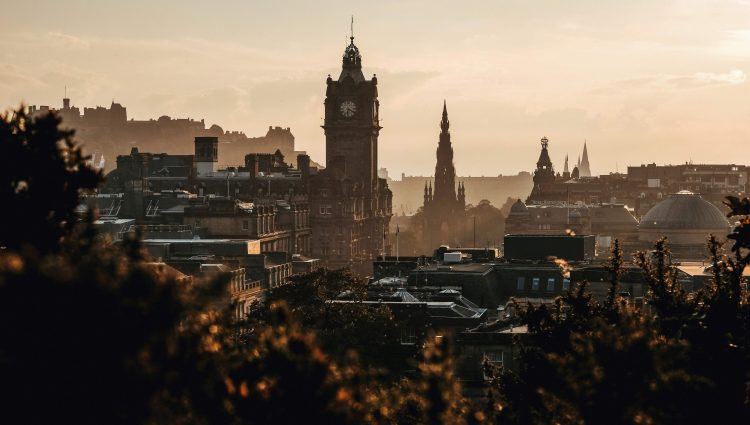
662,81
413,212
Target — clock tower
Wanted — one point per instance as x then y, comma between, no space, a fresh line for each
351,206
351,121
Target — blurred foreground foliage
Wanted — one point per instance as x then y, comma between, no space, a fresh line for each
682,358
95,333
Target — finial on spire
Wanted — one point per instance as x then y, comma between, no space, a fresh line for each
445,124
351,53
545,143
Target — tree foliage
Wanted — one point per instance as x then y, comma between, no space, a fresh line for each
43,172
684,358
330,303
96,333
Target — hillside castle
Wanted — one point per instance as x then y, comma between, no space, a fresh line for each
107,133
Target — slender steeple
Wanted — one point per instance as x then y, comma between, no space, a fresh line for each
565,169
444,123
584,168
445,172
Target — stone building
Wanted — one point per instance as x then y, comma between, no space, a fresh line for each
444,209
606,221
687,220
577,186
279,225
649,184
350,205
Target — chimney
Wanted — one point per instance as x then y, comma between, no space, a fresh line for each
303,164
251,164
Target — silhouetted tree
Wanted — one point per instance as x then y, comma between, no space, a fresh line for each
96,333
329,302
684,359
490,225
43,172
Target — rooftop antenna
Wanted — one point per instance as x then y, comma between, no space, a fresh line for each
352,27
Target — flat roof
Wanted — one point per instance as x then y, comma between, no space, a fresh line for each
155,241
455,267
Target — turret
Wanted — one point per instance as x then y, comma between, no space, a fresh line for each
461,195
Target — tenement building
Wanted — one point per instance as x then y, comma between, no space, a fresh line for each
350,206
264,199
444,208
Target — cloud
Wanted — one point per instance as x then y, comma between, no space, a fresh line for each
61,40
735,76
12,76
665,82
736,43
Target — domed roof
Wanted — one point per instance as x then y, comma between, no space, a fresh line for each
684,210
519,208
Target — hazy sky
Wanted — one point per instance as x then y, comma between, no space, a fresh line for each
641,80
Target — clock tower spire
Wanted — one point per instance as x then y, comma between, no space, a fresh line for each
348,194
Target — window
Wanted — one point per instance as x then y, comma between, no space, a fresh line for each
566,284
550,284
245,225
521,283
493,359
326,209
535,284
408,335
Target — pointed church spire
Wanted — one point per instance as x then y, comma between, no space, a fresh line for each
585,168
565,170
444,123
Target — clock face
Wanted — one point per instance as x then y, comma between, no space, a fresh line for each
348,108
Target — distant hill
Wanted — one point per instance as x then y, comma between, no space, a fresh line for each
107,132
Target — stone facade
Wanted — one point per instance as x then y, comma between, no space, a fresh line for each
350,205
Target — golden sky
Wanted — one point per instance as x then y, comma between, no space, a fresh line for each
640,80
